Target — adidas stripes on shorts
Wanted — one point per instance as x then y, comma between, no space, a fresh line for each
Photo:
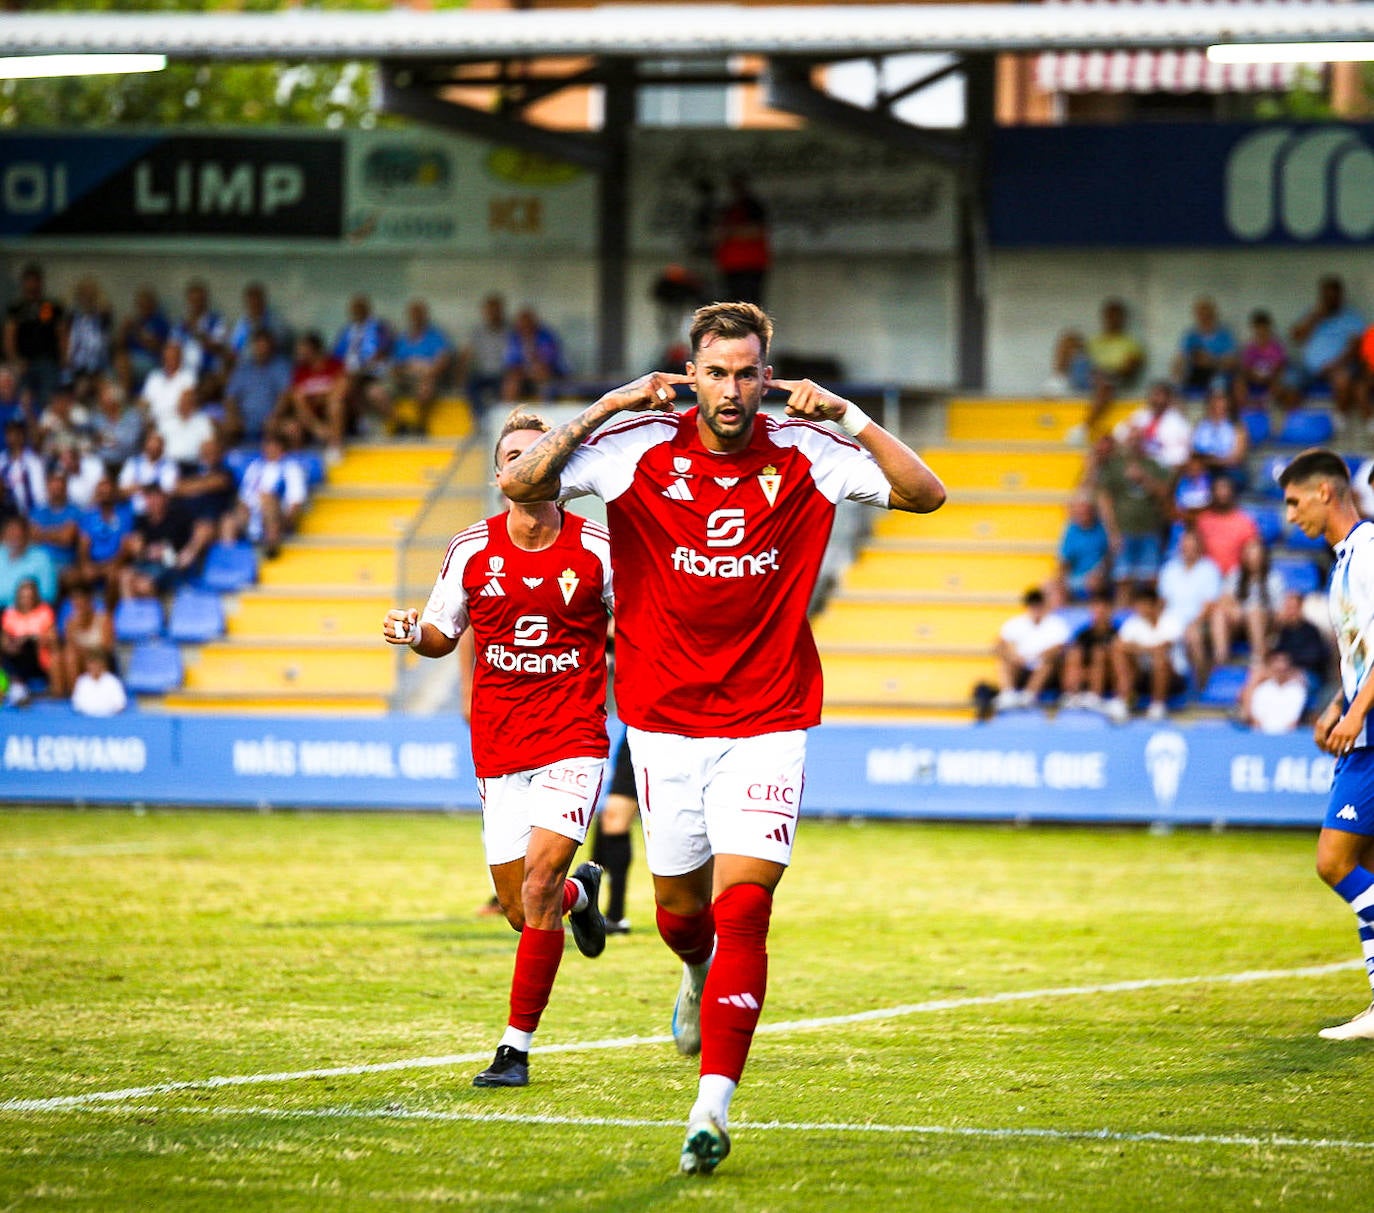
560,797
704,796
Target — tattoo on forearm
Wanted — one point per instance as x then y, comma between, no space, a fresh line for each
544,462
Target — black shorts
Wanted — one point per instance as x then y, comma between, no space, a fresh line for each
623,772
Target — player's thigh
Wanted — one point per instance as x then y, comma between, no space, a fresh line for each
753,796
1347,836
670,774
560,797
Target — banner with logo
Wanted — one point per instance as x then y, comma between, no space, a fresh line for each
1031,771
1210,185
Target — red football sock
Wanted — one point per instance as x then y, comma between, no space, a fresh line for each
570,890
536,965
691,936
733,997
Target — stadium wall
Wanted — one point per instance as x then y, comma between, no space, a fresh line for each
1203,774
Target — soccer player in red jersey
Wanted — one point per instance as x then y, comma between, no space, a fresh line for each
719,519
534,586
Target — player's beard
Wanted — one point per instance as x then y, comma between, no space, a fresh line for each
729,432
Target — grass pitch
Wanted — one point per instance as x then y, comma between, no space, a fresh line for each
289,956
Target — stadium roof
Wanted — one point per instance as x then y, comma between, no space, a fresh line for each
687,31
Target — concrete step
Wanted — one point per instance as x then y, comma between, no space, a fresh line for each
849,626
937,574
898,680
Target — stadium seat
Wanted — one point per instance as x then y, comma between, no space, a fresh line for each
137,619
230,567
1269,521
197,616
1223,687
1294,538
1256,423
154,669
1074,617
239,458
1307,427
1267,482
313,464
1300,576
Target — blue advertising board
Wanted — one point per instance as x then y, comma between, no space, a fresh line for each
1182,185
1022,770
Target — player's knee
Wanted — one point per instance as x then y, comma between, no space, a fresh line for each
542,889
742,914
1332,869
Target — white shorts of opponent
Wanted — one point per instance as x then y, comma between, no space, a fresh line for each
560,797
704,796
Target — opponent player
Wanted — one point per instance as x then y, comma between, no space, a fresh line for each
534,586
1318,500
719,519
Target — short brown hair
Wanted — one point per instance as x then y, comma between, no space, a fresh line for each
731,320
1317,463
520,419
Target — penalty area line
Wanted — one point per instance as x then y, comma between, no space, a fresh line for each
59,1102
1249,1140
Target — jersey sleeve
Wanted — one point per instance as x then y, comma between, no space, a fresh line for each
604,465
597,540
841,468
447,608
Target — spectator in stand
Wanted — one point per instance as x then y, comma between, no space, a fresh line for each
21,559
1087,674
89,335
14,403
203,336
1192,491
1249,603
163,388
1275,703
34,335
207,491
1072,373
1262,363
482,364
534,360
1224,527
98,690
1190,586
187,431
259,390
88,626
1133,500
257,316
118,426
1084,553
28,640
83,471
102,546
56,525
742,253
1362,487
1165,434
1302,640
1147,658
1117,359
21,469
64,422
1329,337
422,359
272,495
364,347
142,335
1223,443
319,391
1029,649
1208,354
149,466
164,547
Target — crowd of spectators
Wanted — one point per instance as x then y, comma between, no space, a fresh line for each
134,443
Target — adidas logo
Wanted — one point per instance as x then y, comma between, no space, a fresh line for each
492,590
1348,813
782,834
746,1002
678,491
577,816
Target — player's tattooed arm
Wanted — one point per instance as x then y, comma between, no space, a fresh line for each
535,475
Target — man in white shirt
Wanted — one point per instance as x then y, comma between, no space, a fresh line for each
272,495
1166,436
98,691
164,386
1029,648
1147,658
1275,703
1190,585
186,431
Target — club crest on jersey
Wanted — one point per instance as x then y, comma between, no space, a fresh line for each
678,491
533,582
770,482
567,582
682,465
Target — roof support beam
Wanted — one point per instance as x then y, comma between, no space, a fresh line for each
888,100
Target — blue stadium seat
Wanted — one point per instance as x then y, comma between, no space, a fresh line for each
313,464
1223,687
1307,427
137,619
1074,617
1268,520
1294,538
1256,423
1267,482
154,669
1301,576
197,616
229,567
239,458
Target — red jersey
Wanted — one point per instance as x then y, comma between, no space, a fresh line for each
311,380
716,557
539,623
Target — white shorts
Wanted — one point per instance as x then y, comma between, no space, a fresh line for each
704,796
560,797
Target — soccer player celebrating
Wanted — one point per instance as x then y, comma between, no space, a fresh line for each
1318,500
534,586
719,519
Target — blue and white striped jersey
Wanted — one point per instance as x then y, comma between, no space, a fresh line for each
1351,598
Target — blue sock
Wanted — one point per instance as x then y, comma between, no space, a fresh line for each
1358,889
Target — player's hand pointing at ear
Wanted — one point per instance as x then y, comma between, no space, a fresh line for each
652,392
809,400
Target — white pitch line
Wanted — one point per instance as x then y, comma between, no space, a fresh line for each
627,1122
59,1102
